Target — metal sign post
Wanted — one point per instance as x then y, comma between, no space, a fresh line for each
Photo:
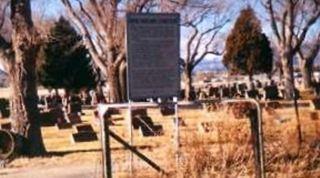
130,135
105,144
177,131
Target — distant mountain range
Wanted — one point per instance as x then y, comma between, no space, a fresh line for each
216,65
210,65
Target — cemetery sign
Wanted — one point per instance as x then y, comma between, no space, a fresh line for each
153,45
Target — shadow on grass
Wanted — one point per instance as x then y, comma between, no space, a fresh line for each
64,153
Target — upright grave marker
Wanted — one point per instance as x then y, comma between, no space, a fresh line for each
153,45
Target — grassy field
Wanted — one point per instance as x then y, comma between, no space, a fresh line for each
224,151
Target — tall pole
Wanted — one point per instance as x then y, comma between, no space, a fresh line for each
177,132
296,108
106,151
130,135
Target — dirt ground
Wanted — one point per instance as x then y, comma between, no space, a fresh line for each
223,151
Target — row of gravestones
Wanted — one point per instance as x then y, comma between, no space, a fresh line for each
275,104
142,122
84,132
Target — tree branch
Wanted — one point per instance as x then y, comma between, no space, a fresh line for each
305,30
86,35
3,15
193,36
6,53
97,26
199,41
274,26
314,50
196,62
292,16
120,58
284,18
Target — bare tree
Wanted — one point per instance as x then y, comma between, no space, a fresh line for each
101,23
307,55
203,21
290,22
19,57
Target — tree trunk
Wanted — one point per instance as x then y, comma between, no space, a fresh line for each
306,71
114,83
187,74
123,80
24,98
287,68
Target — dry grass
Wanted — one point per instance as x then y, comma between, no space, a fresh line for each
230,152
226,151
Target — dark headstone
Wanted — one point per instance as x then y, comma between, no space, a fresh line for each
6,126
135,123
167,110
148,128
272,92
4,113
84,128
155,130
253,93
139,112
84,137
113,111
316,103
213,91
74,118
62,126
74,108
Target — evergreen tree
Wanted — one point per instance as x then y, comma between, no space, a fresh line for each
248,50
65,61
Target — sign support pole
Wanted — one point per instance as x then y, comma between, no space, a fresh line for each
177,133
106,151
130,135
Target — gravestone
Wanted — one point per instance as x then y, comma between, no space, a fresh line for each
85,133
5,126
84,137
167,110
63,125
74,118
147,127
139,112
83,128
316,103
271,92
4,108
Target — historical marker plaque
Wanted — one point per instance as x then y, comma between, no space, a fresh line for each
153,45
